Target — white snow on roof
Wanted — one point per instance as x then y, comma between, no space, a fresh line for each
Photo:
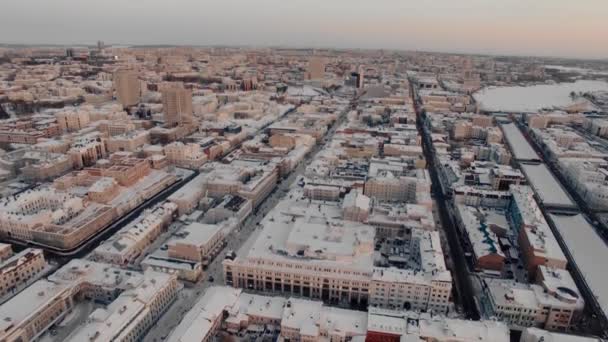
540,335
28,302
198,323
548,189
588,251
519,146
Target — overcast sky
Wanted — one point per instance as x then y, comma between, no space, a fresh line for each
573,28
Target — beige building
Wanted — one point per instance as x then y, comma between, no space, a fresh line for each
356,206
426,289
177,106
250,179
316,68
6,251
396,180
189,195
132,240
52,217
129,141
197,242
127,87
397,325
34,310
87,150
233,311
554,303
72,120
306,249
540,335
19,269
189,156
322,192
282,140
134,301
133,312
42,166
390,188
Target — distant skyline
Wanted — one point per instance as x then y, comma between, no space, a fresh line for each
561,28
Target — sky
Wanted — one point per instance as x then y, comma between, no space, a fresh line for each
564,28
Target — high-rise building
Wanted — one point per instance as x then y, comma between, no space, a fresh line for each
127,87
177,105
316,68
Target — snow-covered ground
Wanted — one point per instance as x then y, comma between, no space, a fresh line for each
576,70
533,98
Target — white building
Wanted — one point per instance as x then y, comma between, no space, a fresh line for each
555,303
426,287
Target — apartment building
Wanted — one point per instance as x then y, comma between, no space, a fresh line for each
127,87
189,156
553,303
129,141
425,288
86,150
19,269
307,250
397,325
177,106
198,241
393,183
538,245
72,120
132,240
233,311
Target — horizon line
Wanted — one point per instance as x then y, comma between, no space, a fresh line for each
294,47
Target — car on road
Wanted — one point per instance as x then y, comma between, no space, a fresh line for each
211,279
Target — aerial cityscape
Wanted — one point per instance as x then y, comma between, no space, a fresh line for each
276,192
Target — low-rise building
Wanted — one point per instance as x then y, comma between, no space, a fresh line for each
6,251
129,141
306,249
188,196
160,261
185,155
538,245
297,319
540,335
426,286
394,326
197,242
482,240
21,268
132,240
554,303
135,301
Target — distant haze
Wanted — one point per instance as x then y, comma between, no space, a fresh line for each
523,27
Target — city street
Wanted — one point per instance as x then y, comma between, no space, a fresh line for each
192,292
463,288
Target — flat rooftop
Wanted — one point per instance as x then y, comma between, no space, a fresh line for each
196,234
519,145
28,301
198,322
299,229
588,252
546,186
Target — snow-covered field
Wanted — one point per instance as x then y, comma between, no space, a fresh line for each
576,70
533,98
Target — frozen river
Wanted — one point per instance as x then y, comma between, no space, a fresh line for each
533,98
